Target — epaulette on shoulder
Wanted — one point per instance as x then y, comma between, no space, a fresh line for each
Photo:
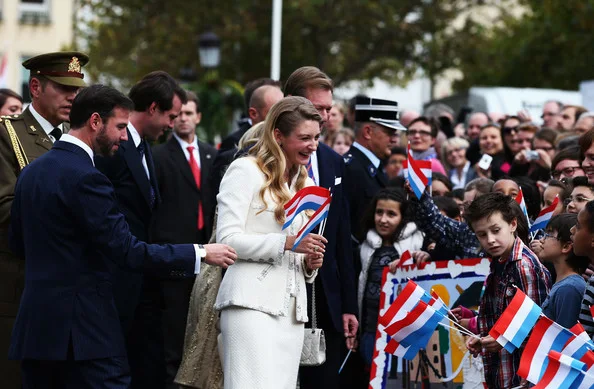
12,118
348,158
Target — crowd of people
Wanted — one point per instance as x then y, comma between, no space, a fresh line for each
169,266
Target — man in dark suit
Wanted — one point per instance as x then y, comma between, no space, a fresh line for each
182,166
376,121
66,224
335,298
230,142
54,82
262,99
157,102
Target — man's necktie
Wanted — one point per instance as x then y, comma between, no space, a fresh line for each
141,150
310,171
196,173
56,133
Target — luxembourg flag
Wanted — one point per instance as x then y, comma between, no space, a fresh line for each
522,203
413,332
417,173
579,344
406,300
516,322
316,219
561,372
546,336
311,197
544,216
586,380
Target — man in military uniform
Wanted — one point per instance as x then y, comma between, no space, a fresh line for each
376,121
54,82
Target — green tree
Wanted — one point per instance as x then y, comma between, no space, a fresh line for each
358,39
549,46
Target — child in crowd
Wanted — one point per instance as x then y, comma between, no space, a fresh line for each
581,193
390,233
582,236
493,218
343,140
563,303
395,161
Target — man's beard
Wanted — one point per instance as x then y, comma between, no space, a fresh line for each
103,146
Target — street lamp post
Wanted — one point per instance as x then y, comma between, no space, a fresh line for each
209,49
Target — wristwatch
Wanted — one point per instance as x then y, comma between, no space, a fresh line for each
201,252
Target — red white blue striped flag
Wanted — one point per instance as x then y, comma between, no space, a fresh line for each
308,198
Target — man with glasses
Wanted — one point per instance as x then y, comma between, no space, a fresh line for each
376,121
566,164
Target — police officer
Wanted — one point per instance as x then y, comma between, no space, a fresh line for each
376,121
54,82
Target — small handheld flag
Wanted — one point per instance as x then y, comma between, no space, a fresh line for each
316,219
561,372
308,198
544,216
522,204
516,322
415,173
546,336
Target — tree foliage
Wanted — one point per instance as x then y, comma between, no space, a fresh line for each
358,39
550,46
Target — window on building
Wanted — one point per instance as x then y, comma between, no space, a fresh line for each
34,11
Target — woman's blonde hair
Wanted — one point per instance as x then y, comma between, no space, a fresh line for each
284,116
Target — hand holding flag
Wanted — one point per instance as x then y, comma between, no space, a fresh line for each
308,198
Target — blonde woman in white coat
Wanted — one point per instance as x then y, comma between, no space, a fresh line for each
389,235
262,296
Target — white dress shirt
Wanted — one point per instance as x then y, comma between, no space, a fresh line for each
184,145
374,160
136,139
45,125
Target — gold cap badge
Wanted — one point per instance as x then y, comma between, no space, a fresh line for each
74,65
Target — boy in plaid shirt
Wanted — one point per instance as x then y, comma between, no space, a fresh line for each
493,219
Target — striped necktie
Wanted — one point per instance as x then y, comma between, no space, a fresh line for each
310,171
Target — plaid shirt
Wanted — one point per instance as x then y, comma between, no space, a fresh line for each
448,233
524,270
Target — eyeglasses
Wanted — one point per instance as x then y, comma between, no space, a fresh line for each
412,133
546,235
545,148
548,114
568,172
577,199
508,130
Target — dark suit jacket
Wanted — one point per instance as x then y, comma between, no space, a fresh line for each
337,276
66,224
132,189
363,182
132,186
231,141
176,218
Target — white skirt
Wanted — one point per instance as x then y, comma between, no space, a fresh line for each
260,351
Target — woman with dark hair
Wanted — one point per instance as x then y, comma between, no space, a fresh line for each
534,162
11,103
491,144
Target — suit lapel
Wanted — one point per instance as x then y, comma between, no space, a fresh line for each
35,129
178,157
151,168
206,160
134,162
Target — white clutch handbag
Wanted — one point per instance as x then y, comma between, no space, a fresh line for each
313,352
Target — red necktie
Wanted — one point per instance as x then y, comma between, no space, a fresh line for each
196,173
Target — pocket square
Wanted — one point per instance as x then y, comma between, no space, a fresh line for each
337,180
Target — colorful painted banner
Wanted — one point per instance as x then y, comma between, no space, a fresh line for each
457,282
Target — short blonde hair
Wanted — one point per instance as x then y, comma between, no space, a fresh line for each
456,142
